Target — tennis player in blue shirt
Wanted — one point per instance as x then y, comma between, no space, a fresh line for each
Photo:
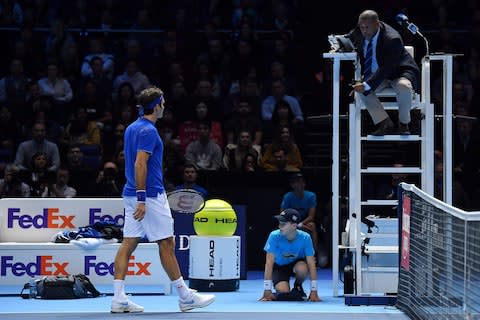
147,212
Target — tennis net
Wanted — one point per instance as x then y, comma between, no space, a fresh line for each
440,258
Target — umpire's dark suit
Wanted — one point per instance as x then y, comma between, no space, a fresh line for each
394,62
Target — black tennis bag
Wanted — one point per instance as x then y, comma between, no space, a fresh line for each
61,287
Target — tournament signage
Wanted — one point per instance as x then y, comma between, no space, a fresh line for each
405,254
36,221
21,261
215,263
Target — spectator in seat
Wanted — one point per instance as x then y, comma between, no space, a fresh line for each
61,189
250,163
132,50
39,178
113,142
278,161
281,17
70,64
125,105
103,83
57,87
282,116
204,92
282,52
57,40
305,202
108,182
11,13
278,94
43,115
33,102
81,130
278,72
38,143
245,58
11,186
134,76
97,106
217,57
203,71
235,153
204,153
82,177
173,158
188,131
189,180
96,49
282,148
247,87
119,160
14,89
243,119
180,100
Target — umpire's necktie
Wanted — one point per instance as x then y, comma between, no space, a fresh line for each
367,65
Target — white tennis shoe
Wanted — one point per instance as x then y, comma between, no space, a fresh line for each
126,306
196,300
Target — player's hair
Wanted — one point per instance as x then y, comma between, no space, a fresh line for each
147,96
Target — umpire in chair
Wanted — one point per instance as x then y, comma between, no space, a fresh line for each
384,63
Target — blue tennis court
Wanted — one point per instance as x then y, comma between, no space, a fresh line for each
241,304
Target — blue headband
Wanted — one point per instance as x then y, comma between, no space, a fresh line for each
151,105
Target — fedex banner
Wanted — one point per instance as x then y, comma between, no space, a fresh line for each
38,220
21,261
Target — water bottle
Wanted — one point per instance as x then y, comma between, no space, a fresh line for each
33,288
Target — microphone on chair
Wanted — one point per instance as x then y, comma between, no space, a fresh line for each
402,20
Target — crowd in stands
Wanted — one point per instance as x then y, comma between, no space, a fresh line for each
67,96
236,100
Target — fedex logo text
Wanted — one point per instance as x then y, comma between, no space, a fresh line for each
96,215
48,219
107,269
43,265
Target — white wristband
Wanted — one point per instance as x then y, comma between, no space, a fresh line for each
267,285
313,285
300,225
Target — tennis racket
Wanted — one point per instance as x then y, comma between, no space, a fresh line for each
185,201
